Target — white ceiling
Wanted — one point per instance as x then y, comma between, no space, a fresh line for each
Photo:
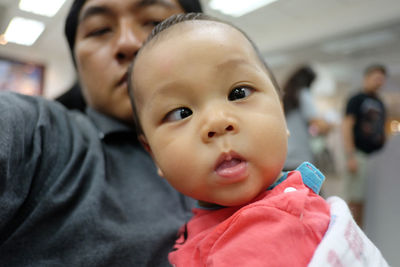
329,30
50,43
287,32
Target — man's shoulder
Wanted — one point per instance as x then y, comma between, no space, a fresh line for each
355,100
361,97
34,112
26,103
357,96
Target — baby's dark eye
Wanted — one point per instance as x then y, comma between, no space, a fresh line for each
239,93
177,114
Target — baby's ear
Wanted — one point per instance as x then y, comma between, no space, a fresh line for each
145,144
159,172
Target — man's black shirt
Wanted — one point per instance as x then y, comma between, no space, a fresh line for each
369,128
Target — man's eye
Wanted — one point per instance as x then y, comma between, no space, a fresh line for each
177,114
239,93
98,32
152,23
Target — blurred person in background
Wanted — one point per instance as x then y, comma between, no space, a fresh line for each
78,189
301,116
363,133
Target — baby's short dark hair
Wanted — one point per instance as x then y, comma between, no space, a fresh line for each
176,19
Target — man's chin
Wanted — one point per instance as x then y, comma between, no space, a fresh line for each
125,116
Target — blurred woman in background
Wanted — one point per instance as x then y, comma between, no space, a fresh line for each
301,117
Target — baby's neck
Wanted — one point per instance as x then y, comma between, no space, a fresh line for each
208,205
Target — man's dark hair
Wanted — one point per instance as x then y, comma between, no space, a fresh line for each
71,23
375,67
176,19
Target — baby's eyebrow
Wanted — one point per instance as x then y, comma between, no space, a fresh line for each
170,89
231,62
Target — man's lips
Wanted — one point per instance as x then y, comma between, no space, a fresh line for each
123,80
231,165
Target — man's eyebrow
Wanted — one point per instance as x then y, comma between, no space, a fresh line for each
154,2
93,11
104,10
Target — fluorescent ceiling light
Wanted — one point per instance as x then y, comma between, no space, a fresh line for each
41,7
23,31
238,8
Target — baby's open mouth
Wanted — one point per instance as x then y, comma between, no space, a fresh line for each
230,165
227,164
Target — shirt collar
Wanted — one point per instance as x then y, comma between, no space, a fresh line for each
108,125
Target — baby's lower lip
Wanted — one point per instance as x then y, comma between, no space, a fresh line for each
234,169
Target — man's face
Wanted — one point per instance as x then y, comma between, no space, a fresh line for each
109,34
210,114
374,80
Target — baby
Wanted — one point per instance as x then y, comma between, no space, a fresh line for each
209,112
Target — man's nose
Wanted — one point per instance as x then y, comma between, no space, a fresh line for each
129,40
217,124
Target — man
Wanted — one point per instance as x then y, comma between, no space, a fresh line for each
364,133
78,189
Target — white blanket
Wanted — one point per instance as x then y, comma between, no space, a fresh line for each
345,244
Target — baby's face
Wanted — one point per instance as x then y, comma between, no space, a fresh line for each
210,114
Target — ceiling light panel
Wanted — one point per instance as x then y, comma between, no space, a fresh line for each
41,7
23,31
237,8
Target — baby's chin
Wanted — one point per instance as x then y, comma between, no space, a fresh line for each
242,194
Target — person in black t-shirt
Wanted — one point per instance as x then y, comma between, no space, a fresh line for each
364,133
